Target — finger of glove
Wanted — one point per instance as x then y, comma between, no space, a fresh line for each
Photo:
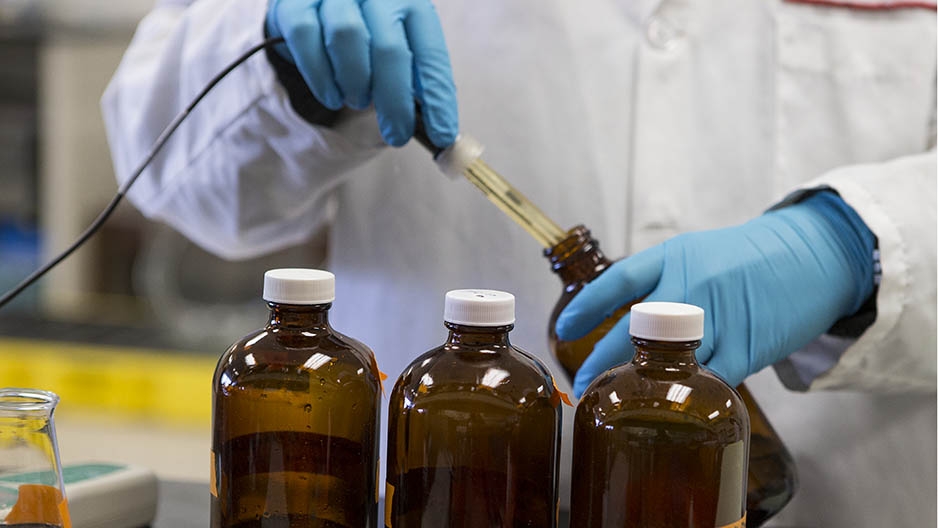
392,71
725,349
616,346
348,45
676,285
729,365
299,23
433,83
619,285
613,349
273,31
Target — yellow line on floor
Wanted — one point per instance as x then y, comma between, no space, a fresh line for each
169,386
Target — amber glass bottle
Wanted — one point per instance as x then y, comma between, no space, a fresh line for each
474,427
577,259
659,442
295,417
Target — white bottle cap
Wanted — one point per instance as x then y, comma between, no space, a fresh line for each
479,308
667,321
299,286
462,153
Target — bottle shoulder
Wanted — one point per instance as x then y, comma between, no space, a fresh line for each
627,393
509,375
269,353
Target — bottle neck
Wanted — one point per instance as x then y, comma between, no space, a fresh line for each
577,258
297,317
673,354
489,337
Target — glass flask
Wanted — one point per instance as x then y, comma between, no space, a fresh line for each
659,441
295,417
474,427
32,494
577,260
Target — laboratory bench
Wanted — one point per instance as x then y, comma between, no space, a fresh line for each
182,505
186,505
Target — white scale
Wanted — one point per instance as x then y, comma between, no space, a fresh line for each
110,495
102,495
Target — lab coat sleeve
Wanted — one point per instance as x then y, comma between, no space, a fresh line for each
897,352
244,174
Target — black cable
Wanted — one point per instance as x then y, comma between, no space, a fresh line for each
122,190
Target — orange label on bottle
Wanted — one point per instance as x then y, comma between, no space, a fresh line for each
388,499
382,376
213,480
563,395
738,524
66,517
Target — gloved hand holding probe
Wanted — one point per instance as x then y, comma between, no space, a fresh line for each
768,287
389,52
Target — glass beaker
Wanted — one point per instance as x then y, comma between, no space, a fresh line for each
32,494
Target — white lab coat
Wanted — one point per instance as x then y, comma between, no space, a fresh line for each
641,119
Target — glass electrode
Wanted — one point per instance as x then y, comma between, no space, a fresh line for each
464,158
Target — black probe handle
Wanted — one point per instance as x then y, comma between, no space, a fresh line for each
420,132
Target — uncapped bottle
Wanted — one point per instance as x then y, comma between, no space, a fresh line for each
772,477
659,442
474,427
295,417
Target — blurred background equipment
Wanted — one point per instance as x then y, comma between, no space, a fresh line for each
119,329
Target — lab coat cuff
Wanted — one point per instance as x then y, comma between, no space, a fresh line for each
359,123
799,370
359,128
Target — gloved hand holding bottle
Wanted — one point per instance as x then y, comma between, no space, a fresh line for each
769,287
389,52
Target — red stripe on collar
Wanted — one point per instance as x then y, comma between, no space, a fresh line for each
869,6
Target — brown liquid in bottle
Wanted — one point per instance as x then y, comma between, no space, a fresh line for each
295,438
659,442
473,437
577,259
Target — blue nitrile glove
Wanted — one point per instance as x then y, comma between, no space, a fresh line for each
351,52
768,287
